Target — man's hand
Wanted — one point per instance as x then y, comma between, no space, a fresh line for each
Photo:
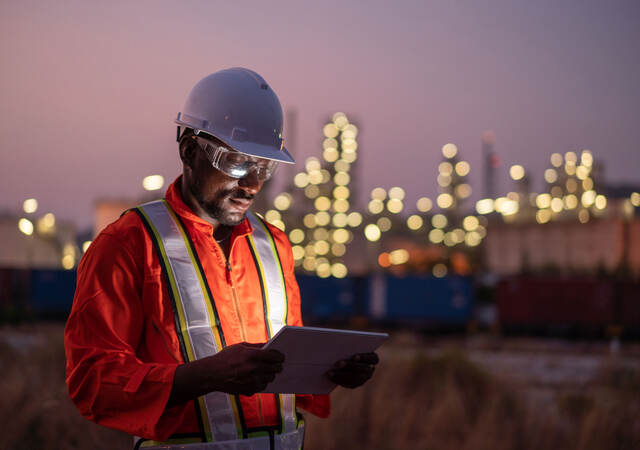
355,371
238,369
246,368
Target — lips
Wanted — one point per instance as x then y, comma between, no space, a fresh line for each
241,204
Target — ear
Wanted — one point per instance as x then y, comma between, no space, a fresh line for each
188,149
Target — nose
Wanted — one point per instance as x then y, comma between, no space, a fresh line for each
251,183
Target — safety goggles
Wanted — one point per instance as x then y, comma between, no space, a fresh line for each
236,164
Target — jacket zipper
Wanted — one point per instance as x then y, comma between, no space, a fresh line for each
236,304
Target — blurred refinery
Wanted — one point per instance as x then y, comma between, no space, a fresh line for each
578,227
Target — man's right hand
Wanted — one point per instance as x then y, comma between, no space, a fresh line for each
238,369
245,368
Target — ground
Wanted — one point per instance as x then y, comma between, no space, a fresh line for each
470,391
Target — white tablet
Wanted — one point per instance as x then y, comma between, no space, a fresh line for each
310,352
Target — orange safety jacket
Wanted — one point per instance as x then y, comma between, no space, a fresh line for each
121,343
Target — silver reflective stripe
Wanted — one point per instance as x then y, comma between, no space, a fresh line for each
275,299
191,301
288,408
287,441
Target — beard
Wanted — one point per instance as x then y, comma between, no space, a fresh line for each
214,206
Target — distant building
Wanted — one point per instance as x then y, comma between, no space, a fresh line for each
48,245
603,244
107,211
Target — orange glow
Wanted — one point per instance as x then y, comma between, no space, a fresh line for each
384,259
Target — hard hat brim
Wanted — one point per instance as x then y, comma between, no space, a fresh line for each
248,148
260,151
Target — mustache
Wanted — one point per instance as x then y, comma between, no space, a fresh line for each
239,193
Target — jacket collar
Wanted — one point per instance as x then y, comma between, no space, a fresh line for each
174,198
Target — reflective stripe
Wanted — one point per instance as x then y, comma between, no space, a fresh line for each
275,293
271,273
195,313
287,441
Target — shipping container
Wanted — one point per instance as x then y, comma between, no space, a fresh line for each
555,302
52,292
14,294
427,300
331,299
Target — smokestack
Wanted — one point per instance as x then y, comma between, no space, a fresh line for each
491,162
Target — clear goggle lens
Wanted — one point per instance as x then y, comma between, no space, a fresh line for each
236,164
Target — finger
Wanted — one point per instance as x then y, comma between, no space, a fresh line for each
267,368
354,367
367,358
348,380
273,356
359,372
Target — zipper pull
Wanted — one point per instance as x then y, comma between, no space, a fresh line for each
228,265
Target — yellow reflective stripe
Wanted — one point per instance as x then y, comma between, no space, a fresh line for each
286,402
179,308
236,415
172,286
255,434
205,292
264,283
276,256
212,321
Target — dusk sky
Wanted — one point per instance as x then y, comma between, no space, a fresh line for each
90,89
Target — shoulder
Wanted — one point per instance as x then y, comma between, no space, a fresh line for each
128,229
126,238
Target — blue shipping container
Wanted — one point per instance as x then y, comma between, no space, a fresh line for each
52,290
329,298
447,300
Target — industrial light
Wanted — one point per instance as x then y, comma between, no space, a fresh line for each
25,226
439,221
378,194
153,182
30,205
301,179
517,172
484,206
445,200
396,193
372,232
463,168
424,204
449,150
282,201
339,270
414,222
394,205
439,270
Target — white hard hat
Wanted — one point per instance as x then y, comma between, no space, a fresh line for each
238,107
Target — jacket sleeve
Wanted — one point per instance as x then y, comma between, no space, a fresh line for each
107,382
318,405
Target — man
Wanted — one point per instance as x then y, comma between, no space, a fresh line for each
175,299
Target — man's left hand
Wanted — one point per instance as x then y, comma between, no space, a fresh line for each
355,371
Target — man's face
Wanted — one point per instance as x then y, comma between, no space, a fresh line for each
223,198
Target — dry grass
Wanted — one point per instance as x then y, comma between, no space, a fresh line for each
447,402
413,402
36,412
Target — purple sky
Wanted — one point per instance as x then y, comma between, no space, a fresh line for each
90,89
